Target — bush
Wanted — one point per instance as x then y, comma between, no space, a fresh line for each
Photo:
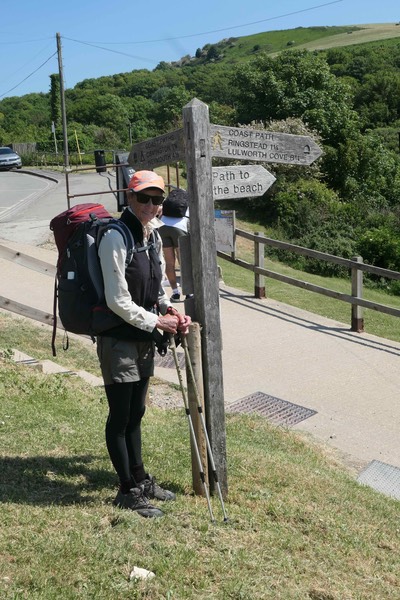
331,239
380,247
303,206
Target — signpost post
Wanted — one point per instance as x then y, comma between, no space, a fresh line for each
205,276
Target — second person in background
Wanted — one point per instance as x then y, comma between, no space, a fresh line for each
175,216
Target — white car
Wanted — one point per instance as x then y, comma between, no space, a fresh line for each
9,159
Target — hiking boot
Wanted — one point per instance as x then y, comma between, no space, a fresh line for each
175,297
151,490
137,501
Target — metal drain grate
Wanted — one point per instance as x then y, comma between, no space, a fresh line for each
382,477
279,412
167,361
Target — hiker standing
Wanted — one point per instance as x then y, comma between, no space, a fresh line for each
127,361
175,218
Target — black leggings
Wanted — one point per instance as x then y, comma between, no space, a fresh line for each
127,405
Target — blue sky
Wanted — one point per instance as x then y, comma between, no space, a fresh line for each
102,37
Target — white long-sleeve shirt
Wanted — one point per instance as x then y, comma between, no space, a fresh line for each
112,254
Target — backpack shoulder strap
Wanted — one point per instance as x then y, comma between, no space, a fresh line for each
156,239
131,248
126,234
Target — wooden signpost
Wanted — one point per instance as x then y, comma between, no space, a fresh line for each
196,126
197,143
240,182
162,150
240,143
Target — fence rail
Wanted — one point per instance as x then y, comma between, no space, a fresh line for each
356,266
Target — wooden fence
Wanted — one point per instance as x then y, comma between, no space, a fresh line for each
355,265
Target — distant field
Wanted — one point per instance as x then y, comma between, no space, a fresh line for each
245,47
361,35
309,38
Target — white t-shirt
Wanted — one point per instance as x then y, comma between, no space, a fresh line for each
178,222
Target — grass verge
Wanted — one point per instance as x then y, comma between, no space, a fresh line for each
299,526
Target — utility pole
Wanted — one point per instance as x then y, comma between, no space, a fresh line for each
63,115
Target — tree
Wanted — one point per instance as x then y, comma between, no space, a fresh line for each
364,171
212,53
378,99
109,111
295,84
55,100
170,102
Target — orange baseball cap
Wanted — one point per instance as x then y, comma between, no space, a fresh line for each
146,179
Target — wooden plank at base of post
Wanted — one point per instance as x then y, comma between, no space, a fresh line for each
194,348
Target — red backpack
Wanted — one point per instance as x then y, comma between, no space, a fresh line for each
79,288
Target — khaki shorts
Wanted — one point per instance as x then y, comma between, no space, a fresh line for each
170,236
123,361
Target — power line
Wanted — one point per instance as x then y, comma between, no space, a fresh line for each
181,37
30,75
92,45
25,41
32,60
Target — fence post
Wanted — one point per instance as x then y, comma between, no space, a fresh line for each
233,253
259,285
357,320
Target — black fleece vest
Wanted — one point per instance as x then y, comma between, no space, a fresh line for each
143,273
143,276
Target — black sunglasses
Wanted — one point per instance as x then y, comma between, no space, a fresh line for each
144,198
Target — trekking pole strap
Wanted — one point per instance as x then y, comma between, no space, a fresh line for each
53,337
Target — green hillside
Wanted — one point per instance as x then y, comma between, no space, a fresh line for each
231,50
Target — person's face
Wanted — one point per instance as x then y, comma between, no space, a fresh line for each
145,212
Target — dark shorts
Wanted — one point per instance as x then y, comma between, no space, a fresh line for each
124,361
170,236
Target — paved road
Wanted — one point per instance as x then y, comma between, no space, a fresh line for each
18,189
28,201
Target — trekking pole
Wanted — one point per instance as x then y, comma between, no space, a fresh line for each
203,424
192,432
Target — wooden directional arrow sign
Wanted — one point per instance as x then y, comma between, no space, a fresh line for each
161,150
242,181
259,145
